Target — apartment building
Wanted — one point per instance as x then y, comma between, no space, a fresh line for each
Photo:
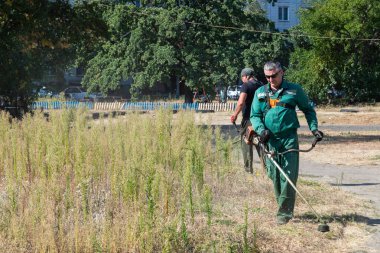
284,13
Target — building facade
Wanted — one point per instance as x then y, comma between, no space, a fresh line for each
284,13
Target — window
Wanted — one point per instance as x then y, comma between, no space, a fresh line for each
283,13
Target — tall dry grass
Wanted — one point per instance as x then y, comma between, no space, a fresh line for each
148,183
69,185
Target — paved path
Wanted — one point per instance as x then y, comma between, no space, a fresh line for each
360,180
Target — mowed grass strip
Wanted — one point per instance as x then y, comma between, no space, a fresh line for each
148,183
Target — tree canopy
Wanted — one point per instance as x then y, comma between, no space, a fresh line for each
198,43
35,36
27,43
348,59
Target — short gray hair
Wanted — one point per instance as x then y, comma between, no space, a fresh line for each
270,65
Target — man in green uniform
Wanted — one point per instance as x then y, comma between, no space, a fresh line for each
274,118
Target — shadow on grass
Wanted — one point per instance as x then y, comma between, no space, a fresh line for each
361,184
342,219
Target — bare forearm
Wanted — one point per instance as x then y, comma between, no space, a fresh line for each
239,106
238,109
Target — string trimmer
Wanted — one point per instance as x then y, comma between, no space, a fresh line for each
251,138
270,154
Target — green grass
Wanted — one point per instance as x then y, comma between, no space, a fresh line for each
308,182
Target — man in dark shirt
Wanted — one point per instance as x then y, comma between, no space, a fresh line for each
247,92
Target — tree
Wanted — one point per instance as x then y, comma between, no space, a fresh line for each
36,35
195,43
27,42
345,59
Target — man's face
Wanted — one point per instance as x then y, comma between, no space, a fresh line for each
274,77
244,79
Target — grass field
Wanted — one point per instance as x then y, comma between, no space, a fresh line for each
150,183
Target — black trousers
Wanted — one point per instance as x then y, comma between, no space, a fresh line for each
247,149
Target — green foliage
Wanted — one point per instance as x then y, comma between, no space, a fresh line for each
90,31
160,41
26,32
37,36
344,61
176,40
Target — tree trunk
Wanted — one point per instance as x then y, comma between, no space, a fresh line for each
177,89
188,93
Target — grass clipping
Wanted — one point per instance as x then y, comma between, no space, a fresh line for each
149,184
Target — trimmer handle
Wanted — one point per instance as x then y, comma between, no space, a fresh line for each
315,141
290,150
237,129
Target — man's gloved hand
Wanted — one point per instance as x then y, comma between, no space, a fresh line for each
318,135
264,136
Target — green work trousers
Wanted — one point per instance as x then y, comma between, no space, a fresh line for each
289,162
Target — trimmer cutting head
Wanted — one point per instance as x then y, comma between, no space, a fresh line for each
323,227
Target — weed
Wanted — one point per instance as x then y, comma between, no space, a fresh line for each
207,203
245,231
136,184
95,186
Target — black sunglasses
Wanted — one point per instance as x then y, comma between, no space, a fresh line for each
272,76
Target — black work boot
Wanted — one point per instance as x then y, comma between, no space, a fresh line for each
282,220
248,169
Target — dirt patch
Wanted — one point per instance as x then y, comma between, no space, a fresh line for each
347,118
324,118
341,146
344,148
241,192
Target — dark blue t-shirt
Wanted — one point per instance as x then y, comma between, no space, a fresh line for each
250,88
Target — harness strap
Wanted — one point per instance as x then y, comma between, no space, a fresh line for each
268,100
282,104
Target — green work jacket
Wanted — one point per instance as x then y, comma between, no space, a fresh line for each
283,117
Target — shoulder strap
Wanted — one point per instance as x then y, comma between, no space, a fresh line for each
281,93
268,107
267,96
267,100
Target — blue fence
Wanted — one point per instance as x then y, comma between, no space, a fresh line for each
62,105
149,106
134,106
146,106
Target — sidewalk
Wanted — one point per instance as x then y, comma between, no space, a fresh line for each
363,181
